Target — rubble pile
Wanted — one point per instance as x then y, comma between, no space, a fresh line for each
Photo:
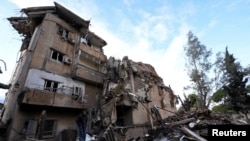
191,126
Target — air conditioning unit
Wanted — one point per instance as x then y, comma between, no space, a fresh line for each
77,90
67,60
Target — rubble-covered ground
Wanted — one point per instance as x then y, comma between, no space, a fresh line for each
191,126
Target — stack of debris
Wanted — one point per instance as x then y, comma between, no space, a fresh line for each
191,126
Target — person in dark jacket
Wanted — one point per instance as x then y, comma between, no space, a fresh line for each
81,122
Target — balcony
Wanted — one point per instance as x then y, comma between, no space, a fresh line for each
92,52
88,75
46,98
89,65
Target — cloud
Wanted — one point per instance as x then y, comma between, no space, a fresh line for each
172,64
211,24
231,6
186,11
87,9
32,3
155,25
128,2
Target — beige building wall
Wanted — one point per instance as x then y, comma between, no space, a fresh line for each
65,119
49,40
143,114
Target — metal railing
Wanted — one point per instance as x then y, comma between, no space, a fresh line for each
61,90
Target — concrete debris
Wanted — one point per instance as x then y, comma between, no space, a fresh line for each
190,126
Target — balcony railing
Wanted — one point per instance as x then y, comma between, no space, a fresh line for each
65,90
50,98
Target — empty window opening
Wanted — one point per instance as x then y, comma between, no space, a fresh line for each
56,55
124,115
50,86
64,33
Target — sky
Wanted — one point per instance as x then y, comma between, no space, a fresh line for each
148,31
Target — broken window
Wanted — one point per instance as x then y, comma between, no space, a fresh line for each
56,55
49,129
64,33
50,86
86,40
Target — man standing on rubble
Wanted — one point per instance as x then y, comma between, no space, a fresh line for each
81,122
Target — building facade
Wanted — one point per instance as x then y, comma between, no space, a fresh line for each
62,70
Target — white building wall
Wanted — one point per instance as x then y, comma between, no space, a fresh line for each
36,79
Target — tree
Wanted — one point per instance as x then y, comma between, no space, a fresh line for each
198,66
219,95
189,102
236,90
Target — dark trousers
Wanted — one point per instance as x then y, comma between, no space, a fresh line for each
82,133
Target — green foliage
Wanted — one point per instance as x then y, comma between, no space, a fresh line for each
192,101
222,109
219,95
236,88
189,102
248,88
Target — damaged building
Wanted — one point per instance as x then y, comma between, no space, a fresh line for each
62,70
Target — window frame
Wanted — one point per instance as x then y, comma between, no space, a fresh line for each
63,32
51,88
52,130
33,125
56,55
